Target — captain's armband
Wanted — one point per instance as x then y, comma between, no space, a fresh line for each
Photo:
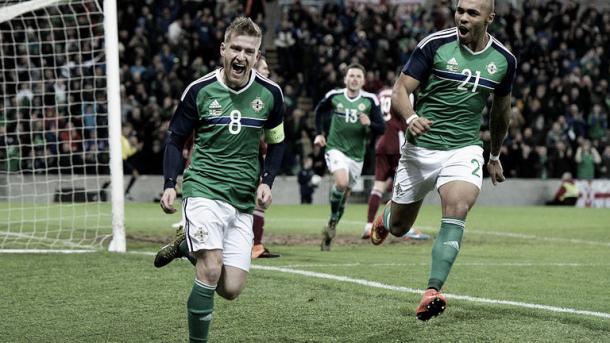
275,135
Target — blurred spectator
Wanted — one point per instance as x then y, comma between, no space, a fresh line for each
586,159
306,186
130,147
567,194
605,164
560,160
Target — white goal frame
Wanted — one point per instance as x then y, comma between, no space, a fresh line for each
118,241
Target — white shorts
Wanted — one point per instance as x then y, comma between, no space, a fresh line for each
336,160
214,224
420,170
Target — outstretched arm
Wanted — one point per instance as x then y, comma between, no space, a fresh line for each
498,127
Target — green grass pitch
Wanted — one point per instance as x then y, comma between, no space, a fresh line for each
524,274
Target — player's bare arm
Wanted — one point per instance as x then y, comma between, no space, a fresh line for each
401,104
498,126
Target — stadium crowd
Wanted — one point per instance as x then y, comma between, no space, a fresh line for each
561,94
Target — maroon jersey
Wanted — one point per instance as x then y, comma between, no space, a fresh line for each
395,127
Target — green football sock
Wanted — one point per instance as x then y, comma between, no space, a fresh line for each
335,198
445,250
342,206
200,307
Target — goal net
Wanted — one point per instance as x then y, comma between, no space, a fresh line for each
55,138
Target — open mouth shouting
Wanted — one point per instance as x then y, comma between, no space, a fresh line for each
237,73
463,31
238,68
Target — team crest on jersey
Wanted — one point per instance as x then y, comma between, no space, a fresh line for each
491,68
257,104
452,65
215,108
361,107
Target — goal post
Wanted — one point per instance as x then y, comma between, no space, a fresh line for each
61,177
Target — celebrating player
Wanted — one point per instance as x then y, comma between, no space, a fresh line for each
258,249
457,69
387,154
352,112
228,109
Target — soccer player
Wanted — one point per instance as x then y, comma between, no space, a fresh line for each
353,114
387,154
258,249
456,69
228,109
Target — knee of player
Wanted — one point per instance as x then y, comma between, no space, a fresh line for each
209,274
229,293
341,185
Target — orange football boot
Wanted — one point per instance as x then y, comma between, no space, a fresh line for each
432,304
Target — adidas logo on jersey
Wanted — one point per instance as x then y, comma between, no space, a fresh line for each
215,108
452,65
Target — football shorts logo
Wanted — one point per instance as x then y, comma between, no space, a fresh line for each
257,104
361,107
201,234
215,108
491,68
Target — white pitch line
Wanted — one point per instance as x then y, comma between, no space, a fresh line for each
375,284
465,264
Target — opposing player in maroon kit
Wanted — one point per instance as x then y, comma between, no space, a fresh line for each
258,249
387,154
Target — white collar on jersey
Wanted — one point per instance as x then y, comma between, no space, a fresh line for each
352,99
489,42
219,78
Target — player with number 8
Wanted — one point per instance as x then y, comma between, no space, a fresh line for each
228,110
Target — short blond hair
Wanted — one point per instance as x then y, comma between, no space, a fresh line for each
243,26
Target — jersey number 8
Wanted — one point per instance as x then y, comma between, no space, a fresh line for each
235,123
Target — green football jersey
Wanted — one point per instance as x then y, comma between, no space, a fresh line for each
455,83
225,162
346,133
